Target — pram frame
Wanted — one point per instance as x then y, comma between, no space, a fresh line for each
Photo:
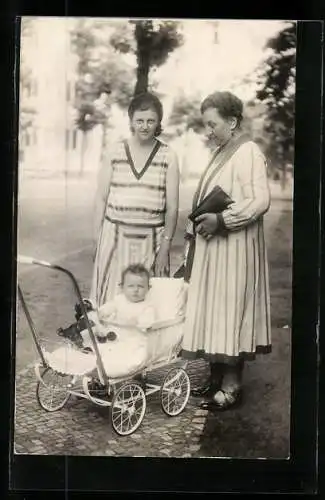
109,383
30,260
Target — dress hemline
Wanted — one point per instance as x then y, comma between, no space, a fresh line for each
225,358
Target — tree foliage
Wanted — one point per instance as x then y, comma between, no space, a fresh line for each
100,70
186,114
277,91
151,42
99,45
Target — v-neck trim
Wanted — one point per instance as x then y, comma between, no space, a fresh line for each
223,151
139,174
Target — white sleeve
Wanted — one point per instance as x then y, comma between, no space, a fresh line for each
107,310
148,317
251,172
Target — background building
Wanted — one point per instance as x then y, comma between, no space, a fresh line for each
48,138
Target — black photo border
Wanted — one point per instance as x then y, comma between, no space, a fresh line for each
28,475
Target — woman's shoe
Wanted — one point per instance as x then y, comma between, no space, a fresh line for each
223,400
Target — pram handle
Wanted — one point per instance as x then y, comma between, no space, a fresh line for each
24,259
30,260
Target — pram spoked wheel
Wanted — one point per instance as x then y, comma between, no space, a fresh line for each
128,408
51,391
175,391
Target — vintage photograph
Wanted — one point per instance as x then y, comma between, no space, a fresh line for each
154,239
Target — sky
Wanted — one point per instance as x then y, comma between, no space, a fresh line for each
201,66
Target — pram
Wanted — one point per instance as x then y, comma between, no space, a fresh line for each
99,376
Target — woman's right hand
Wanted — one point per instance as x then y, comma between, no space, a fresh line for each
207,225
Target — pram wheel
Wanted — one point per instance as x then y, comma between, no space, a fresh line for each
175,391
51,392
128,408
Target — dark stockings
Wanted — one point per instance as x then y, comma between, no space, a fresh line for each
232,375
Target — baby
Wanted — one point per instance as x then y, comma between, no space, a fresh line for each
131,306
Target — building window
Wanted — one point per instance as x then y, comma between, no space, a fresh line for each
75,90
34,87
68,91
28,89
67,139
71,137
74,138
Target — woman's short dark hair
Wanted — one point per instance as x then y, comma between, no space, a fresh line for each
145,101
226,103
137,269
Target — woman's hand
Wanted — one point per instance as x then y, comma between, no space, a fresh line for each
162,259
206,225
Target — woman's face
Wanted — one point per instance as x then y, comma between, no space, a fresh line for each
144,124
218,129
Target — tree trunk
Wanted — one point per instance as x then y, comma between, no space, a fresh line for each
143,56
142,72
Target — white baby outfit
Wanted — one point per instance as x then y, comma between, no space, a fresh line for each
121,311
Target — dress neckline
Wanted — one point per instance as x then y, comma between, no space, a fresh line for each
139,174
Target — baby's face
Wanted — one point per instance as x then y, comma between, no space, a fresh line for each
135,287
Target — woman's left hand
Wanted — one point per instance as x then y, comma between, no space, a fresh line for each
162,260
206,225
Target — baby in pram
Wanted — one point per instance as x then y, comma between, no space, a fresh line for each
137,330
131,307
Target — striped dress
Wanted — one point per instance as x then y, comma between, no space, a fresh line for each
134,218
228,309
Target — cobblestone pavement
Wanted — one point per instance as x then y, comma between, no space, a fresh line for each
260,428
83,428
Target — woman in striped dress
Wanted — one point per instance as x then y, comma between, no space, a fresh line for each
228,310
137,201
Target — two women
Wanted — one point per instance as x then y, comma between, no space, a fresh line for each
228,310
